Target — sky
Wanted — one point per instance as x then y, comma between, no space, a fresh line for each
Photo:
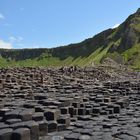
53,23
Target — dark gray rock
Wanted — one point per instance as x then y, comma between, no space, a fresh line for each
34,129
52,126
21,134
6,134
73,136
43,127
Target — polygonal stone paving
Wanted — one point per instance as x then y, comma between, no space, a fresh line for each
59,104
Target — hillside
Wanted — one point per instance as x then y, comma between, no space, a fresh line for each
121,44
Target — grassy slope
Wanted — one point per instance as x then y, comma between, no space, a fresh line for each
85,53
121,44
94,57
3,62
132,56
126,45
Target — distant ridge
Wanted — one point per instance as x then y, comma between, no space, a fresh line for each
121,44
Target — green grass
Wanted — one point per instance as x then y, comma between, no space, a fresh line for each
132,52
46,60
3,62
110,43
132,56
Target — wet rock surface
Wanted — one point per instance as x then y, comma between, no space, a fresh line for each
69,104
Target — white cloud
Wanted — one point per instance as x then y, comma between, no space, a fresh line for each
2,16
115,26
13,39
5,45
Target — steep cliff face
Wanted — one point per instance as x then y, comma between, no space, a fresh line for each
121,44
127,34
84,53
82,49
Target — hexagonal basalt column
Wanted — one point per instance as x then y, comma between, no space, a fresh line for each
81,111
11,115
21,134
52,126
34,129
38,116
64,119
71,111
76,104
25,115
52,115
117,108
5,134
12,121
64,110
96,110
43,127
